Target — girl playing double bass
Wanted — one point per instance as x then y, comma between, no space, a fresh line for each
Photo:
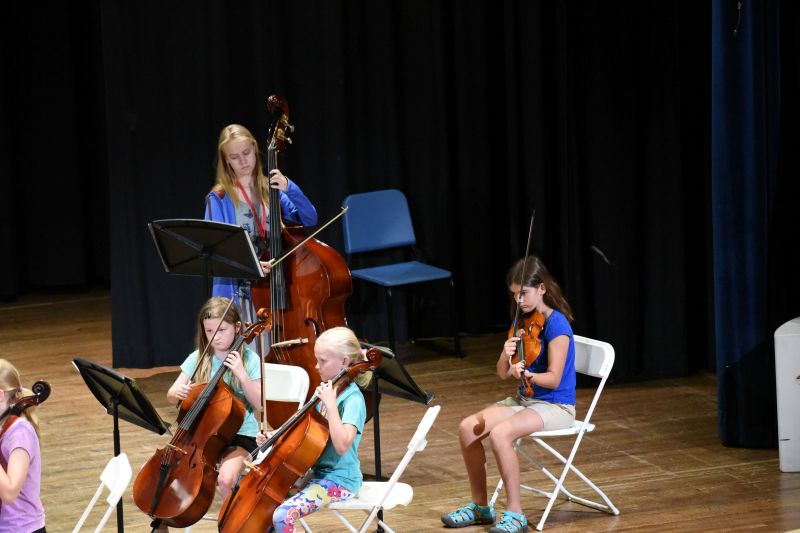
244,378
337,474
240,196
20,459
552,406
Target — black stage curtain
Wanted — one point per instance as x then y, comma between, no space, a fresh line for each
54,206
595,114
755,191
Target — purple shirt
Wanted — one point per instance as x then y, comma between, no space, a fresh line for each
26,514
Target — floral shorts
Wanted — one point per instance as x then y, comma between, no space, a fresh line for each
316,494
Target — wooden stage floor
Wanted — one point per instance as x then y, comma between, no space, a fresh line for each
655,451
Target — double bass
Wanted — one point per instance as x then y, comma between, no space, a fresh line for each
305,293
291,451
176,486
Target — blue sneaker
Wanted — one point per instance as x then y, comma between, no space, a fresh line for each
511,523
469,515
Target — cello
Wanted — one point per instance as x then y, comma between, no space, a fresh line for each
41,391
292,450
306,293
175,487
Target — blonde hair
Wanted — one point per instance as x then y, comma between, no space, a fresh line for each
226,177
11,384
344,342
214,308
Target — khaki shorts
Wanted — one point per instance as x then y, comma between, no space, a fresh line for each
554,415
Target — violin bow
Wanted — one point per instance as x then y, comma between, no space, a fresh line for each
519,297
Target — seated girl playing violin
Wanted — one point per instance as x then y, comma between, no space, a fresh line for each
244,378
550,374
20,459
336,475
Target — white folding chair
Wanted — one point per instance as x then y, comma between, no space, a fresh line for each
592,358
376,496
282,383
116,476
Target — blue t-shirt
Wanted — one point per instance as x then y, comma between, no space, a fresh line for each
555,326
250,424
345,470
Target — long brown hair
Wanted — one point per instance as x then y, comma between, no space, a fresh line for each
11,384
215,308
226,177
534,275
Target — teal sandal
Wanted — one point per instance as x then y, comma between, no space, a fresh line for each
511,523
469,515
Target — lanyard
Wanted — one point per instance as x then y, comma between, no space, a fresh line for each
260,224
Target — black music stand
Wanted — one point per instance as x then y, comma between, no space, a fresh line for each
191,247
121,398
393,379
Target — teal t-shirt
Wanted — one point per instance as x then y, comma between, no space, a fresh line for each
250,424
345,470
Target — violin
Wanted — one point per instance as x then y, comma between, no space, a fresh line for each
292,450
41,391
176,486
527,329
529,345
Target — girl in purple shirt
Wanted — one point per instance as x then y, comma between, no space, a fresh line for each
21,509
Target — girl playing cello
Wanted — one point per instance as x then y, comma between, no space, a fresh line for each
244,378
20,460
337,474
552,405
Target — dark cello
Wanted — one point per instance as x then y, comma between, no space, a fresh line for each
306,293
41,391
293,449
176,486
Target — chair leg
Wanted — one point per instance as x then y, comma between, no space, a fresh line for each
390,318
454,319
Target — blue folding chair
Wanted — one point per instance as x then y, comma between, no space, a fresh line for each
380,220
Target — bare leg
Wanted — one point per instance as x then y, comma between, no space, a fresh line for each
471,433
230,467
502,437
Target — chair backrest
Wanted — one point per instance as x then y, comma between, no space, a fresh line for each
377,220
285,383
417,443
116,476
593,357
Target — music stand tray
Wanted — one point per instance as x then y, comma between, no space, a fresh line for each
193,247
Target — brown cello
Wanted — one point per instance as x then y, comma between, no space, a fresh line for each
293,449
306,292
176,486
